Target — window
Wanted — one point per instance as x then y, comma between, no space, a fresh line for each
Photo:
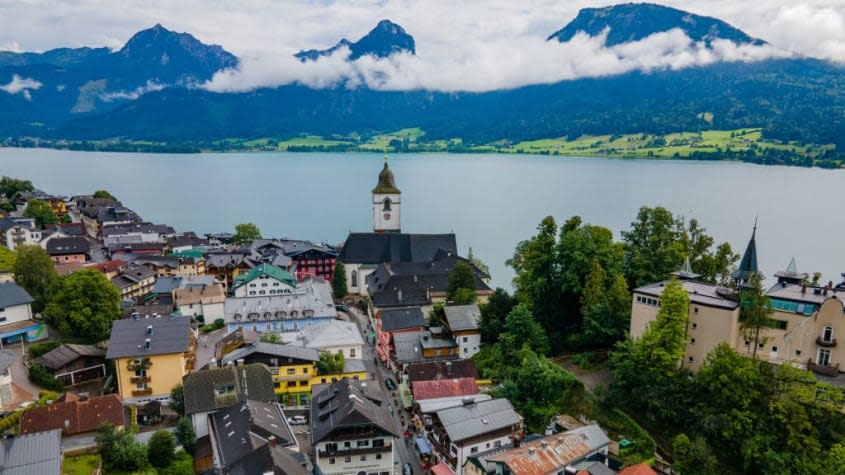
386,204
363,458
331,447
378,456
823,357
473,450
497,444
690,359
225,389
779,324
797,352
466,339
692,341
694,326
827,334
352,352
331,461
695,310
305,370
347,444
363,443
347,459
303,383
466,350
291,371
378,442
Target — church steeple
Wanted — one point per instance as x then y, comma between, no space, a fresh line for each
748,264
386,203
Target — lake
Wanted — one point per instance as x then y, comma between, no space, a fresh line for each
490,201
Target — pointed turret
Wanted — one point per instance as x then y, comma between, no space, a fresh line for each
685,272
748,264
386,202
791,274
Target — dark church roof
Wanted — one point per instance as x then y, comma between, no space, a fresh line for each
385,181
748,264
375,248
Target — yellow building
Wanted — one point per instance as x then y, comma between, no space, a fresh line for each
151,356
294,368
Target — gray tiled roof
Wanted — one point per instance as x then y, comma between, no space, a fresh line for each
244,428
402,318
200,394
284,351
12,294
68,245
804,294
128,337
375,248
472,420
349,404
332,333
64,354
33,454
462,317
699,292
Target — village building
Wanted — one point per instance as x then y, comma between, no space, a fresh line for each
74,414
463,322
136,232
96,217
206,301
308,303
389,322
134,281
39,453
470,428
333,336
264,280
151,356
74,364
65,250
427,345
16,319
351,429
169,266
304,258
210,390
19,232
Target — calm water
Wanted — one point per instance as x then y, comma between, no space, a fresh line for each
490,201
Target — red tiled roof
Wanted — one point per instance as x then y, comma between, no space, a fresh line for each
73,416
110,266
444,388
441,469
638,469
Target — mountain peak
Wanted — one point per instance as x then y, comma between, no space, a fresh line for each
385,39
636,21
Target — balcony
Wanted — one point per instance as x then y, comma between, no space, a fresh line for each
291,377
826,370
352,451
142,392
825,343
139,379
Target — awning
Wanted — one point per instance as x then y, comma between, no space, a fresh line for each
441,469
422,446
405,395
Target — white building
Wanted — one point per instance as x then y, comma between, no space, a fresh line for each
19,231
206,301
334,336
387,204
264,280
16,321
307,304
463,321
351,429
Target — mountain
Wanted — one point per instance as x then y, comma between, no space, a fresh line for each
64,57
382,41
636,21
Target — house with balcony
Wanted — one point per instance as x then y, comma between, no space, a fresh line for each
16,319
169,266
74,364
151,356
465,430
264,280
97,216
351,429
211,390
294,368
19,231
134,281
427,345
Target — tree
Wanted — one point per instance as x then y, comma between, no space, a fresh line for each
119,450
693,457
271,337
339,288
493,315
162,449
537,279
35,272
331,363
521,329
185,434
245,233
477,262
177,399
11,188
755,312
666,336
460,288
605,306
40,211
84,305
652,246
103,194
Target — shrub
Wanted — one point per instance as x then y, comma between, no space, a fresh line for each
161,449
183,464
41,348
41,376
219,323
185,434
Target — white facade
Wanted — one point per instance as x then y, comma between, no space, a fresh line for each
356,278
15,314
263,286
468,344
332,461
209,311
21,235
463,453
387,209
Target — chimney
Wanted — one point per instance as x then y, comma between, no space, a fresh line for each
83,396
147,344
531,450
240,362
544,444
149,330
271,440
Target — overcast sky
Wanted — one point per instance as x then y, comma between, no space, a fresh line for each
471,45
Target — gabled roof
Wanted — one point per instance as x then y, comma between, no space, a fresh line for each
142,228
375,248
32,454
67,353
462,317
409,346
638,469
200,387
12,294
205,294
439,388
244,428
402,318
128,337
432,370
294,352
552,454
332,333
268,270
349,404
69,245
472,420
74,416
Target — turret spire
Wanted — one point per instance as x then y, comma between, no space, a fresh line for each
748,264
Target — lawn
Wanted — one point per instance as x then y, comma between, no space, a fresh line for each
81,464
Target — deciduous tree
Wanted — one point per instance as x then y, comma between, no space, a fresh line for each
119,450
41,212
493,315
35,272
84,305
245,233
177,399
755,313
103,194
460,288
186,434
162,449
331,363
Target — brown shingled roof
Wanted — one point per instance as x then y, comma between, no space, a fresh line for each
74,416
444,388
638,469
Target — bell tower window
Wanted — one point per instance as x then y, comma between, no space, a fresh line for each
386,205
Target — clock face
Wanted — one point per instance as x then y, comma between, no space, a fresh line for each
387,216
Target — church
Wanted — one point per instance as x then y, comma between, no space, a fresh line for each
363,253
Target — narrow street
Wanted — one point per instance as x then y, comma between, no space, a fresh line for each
404,453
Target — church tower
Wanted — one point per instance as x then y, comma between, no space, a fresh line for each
387,204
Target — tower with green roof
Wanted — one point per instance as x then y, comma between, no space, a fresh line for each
387,204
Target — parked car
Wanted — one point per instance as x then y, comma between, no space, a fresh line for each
406,469
297,420
390,383
341,308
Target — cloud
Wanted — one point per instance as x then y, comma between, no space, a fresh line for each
21,85
133,94
482,66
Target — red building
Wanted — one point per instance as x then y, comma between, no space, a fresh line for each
395,320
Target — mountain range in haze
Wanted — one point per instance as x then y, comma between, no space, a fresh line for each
154,88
